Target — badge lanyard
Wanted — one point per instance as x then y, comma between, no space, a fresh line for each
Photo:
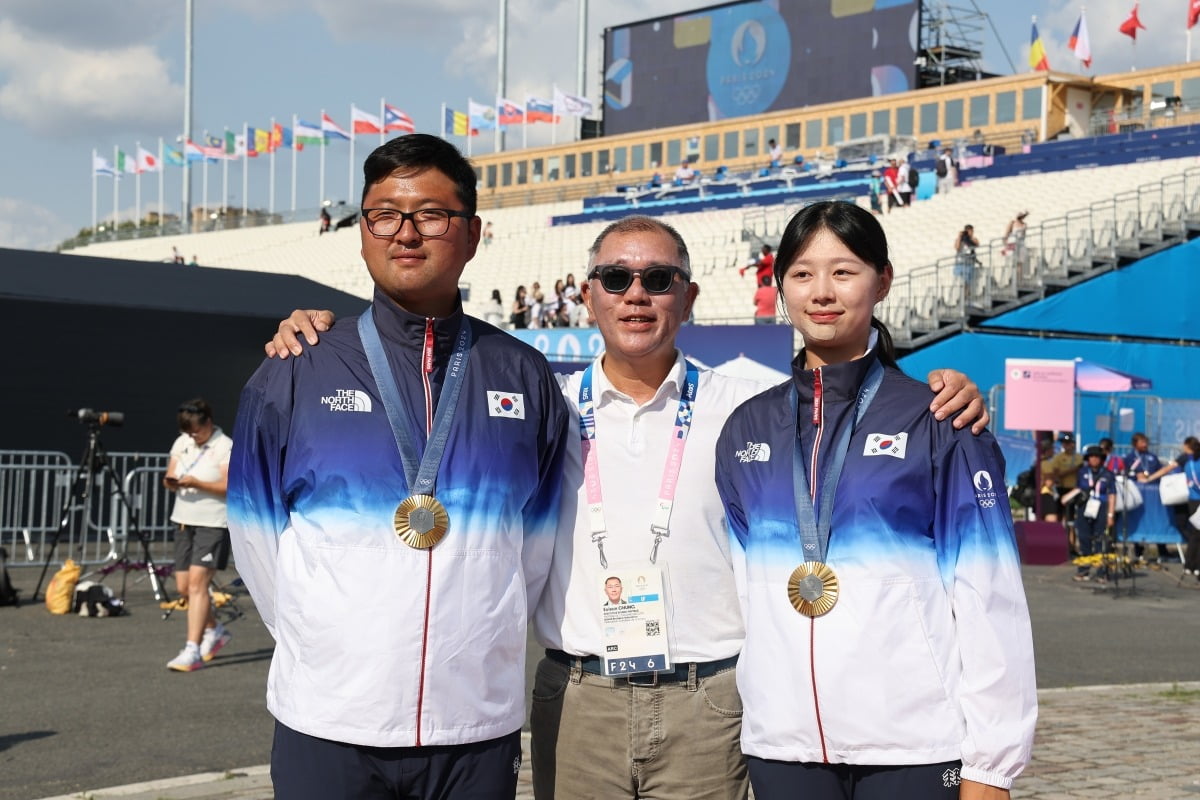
814,531
203,448
660,524
423,479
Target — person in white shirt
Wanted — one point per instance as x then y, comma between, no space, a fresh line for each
680,725
198,473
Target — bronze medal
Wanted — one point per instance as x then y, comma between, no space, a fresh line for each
813,588
421,521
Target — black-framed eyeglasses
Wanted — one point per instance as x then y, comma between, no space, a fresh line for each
657,279
384,222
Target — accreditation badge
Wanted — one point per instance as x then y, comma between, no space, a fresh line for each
634,620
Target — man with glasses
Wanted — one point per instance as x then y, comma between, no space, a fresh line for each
645,508
391,554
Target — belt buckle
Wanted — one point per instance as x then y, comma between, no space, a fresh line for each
636,680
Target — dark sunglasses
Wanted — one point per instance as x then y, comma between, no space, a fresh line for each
617,279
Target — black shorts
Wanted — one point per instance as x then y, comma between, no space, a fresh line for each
790,780
197,546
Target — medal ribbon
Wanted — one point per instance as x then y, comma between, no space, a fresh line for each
814,530
660,523
422,479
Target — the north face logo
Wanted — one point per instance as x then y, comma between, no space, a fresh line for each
347,400
755,451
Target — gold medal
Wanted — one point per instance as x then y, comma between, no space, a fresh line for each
813,588
421,521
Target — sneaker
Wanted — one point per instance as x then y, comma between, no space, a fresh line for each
188,660
213,640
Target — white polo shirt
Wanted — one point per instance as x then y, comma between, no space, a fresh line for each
196,506
704,622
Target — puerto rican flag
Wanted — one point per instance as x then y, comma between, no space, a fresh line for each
363,122
396,120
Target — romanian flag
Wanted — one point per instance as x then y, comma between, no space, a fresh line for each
455,123
1037,53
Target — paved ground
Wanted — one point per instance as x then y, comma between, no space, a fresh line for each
88,703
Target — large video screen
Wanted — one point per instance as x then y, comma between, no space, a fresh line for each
751,57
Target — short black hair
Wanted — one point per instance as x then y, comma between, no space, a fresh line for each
419,152
193,413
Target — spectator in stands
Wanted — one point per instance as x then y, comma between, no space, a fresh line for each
1189,463
946,169
493,313
890,175
775,154
570,291
684,174
176,256
903,182
763,263
518,318
326,220
487,233
875,187
536,308
766,297
195,262
198,473
965,260
1014,244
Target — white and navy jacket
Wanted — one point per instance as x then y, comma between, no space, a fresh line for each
927,655
377,643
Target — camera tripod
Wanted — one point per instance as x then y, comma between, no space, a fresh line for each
94,463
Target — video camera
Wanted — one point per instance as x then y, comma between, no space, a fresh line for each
87,416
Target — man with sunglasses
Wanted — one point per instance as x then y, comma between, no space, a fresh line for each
390,553
682,724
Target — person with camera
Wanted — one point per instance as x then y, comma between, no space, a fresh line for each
198,473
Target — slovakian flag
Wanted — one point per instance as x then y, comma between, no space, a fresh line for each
456,123
1079,43
508,112
331,129
147,161
1193,13
1130,26
364,122
539,110
396,120
1037,53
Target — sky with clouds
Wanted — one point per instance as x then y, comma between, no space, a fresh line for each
80,75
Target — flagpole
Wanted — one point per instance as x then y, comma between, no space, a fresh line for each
1188,51
94,221
350,163
161,183
501,69
443,120
137,187
225,170
382,122
324,141
271,151
204,181
245,167
294,118
116,183
554,115
470,103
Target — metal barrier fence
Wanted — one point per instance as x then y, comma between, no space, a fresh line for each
42,492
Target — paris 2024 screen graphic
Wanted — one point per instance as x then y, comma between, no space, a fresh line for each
752,57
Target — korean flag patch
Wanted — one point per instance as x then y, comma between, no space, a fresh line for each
506,404
886,444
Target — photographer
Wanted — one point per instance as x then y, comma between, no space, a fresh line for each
197,473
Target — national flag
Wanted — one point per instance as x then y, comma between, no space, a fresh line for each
538,110
192,151
483,118
331,129
262,140
1079,43
580,106
456,123
101,166
363,121
239,144
1037,53
126,163
307,133
214,148
147,161
251,142
508,112
1193,13
1130,26
174,157
281,137
231,148
396,120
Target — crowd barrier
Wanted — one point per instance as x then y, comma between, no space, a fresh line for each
44,494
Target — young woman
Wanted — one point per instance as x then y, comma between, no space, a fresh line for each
1189,463
519,318
888,651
